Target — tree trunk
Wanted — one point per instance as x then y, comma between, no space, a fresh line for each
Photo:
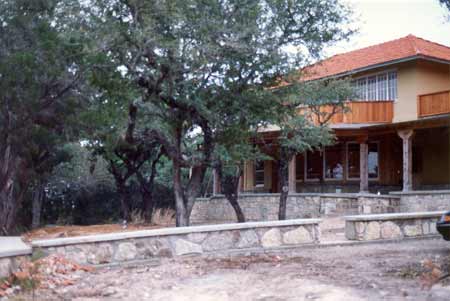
182,219
124,201
37,201
148,206
285,158
230,188
237,208
11,191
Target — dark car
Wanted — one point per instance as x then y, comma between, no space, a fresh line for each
443,225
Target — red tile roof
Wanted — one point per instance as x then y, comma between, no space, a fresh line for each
406,47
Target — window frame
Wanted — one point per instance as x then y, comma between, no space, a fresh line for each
344,161
305,167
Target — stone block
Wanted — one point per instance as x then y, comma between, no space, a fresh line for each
390,230
220,241
101,253
271,238
125,251
372,231
184,247
297,236
412,230
248,239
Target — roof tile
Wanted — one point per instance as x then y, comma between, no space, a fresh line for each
405,47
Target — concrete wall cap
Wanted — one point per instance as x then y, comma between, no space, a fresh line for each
394,216
420,192
13,246
170,231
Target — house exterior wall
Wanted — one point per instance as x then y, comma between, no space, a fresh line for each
416,78
413,79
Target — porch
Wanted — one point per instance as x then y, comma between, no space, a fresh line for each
367,158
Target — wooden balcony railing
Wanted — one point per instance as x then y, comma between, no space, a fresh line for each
433,104
377,111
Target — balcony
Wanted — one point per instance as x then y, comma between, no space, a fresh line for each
433,104
367,111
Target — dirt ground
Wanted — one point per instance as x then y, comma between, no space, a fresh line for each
386,271
70,231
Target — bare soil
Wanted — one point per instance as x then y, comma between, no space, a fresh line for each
382,271
49,232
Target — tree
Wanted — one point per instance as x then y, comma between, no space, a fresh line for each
306,129
41,68
184,58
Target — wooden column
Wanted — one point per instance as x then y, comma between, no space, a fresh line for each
292,175
363,165
216,183
406,136
249,176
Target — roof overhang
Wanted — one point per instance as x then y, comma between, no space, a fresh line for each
384,64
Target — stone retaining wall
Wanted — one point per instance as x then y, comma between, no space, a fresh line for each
430,200
391,226
138,245
264,206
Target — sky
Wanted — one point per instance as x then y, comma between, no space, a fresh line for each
383,20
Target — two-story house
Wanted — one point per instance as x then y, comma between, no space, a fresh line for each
396,134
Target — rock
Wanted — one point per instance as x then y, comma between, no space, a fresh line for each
426,228
297,236
248,239
5,267
372,231
125,251
197,237
433,229
183,247
102,253
153,247
220,241
390,230
412,230
271,238
350,231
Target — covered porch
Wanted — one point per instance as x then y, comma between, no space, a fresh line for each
367,158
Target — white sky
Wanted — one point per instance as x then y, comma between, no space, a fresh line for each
383,20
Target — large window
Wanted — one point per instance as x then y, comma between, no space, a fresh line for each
353,160
313,165
353,171
300,167
259,173
372,164
382,86
334,163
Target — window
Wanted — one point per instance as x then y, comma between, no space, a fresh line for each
300,167
392,85
334,166
353,160
362,88
382,86
313,165
259,173
353,171
372,161
372,88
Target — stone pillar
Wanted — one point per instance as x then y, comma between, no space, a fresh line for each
363,168
292,175
216,183
406,136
